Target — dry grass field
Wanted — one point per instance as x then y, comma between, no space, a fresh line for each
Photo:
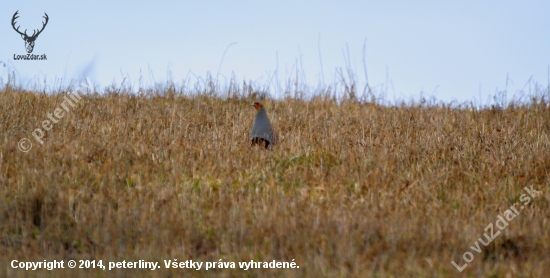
353,189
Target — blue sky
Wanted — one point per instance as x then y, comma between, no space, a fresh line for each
459,50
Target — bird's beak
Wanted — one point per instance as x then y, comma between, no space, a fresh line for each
252,104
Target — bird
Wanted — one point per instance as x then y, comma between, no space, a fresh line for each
262,132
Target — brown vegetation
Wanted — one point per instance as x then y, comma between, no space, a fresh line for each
351,190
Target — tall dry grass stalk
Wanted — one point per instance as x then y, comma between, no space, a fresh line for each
352,190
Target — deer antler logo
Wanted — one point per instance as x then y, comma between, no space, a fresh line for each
29,40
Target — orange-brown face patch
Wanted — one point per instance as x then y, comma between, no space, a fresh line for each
257,105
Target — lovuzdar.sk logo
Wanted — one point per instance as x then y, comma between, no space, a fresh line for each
29,40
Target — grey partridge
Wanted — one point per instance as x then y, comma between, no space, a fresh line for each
262,132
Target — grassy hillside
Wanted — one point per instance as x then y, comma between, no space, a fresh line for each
352,190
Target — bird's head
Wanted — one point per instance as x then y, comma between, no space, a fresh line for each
257,106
